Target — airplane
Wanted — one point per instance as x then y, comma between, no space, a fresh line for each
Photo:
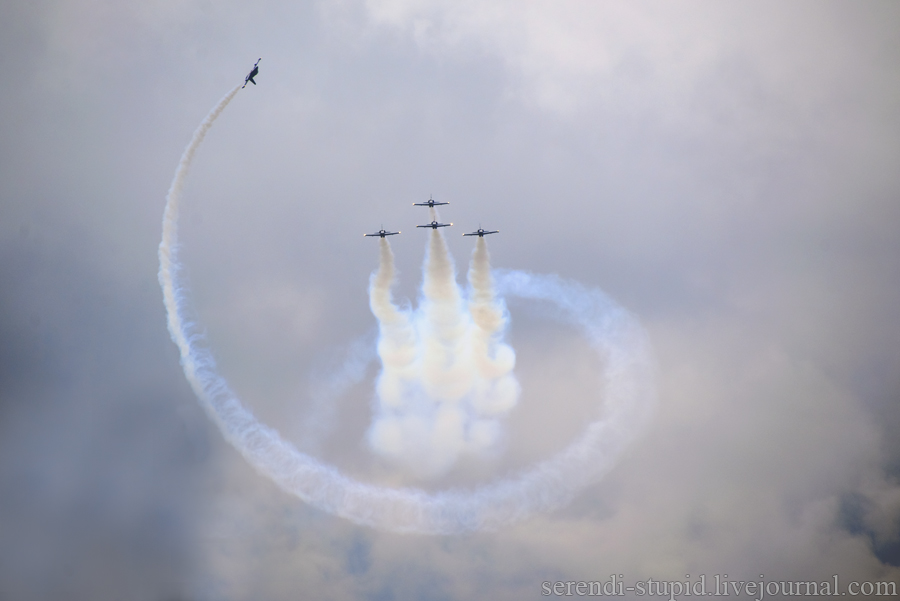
252,75
482,233
435,225
431,203
382,233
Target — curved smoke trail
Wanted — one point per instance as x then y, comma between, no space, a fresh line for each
627,399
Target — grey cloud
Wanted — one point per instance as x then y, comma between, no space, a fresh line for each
728,173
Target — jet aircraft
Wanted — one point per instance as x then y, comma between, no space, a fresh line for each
252,75
482,233
430,203
382,233
435,225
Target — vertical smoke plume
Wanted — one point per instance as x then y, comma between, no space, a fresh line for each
494,360
446,374
396,343
626,382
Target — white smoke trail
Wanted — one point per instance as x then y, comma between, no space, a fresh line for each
627,399
327,387
455,381
168,248
498,389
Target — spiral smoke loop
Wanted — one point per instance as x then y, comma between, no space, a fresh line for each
625,389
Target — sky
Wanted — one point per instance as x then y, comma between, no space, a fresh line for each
726,172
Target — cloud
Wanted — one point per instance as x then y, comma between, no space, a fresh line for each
726,172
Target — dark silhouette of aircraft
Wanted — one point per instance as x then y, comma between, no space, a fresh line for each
482,233
435,225
252,75
431,203
382,233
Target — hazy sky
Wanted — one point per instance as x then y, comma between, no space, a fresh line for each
726,171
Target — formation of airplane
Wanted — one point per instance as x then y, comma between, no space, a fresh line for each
382,233
482,233
435,225
430,203
252,75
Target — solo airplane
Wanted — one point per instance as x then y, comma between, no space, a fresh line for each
253,74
